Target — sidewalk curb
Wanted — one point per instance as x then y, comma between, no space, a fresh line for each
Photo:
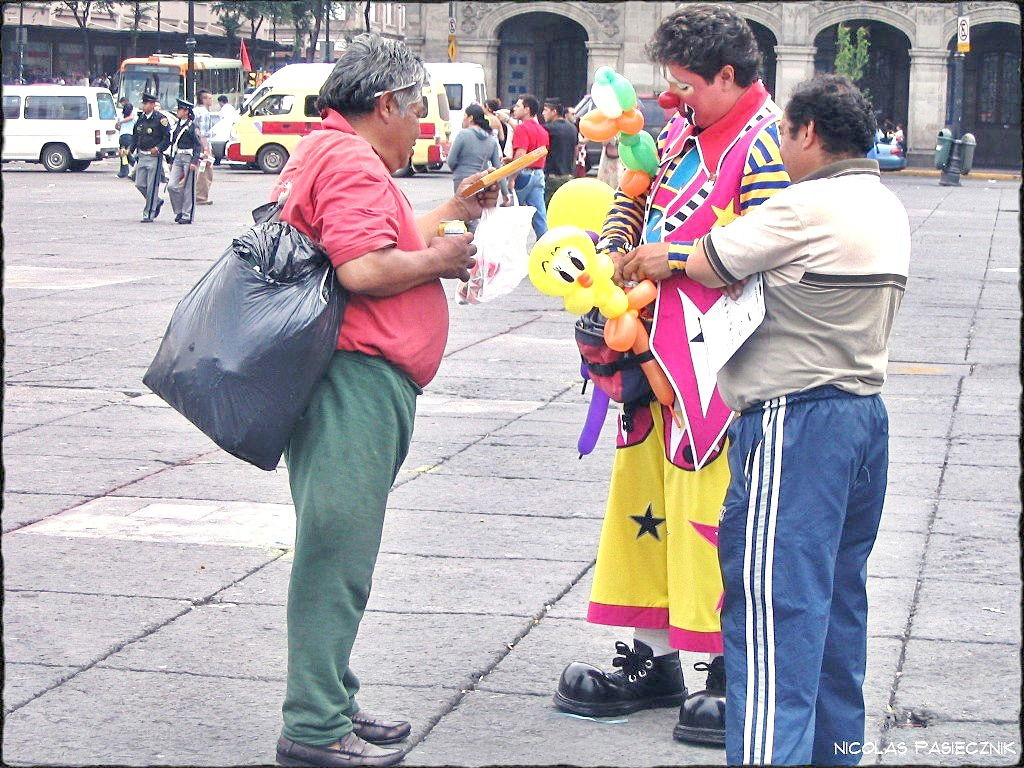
975,174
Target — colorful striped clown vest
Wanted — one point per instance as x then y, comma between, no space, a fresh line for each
687,200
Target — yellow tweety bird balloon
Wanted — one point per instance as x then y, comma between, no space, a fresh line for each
565,263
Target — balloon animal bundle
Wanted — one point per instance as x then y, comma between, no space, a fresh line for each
616,111
565,262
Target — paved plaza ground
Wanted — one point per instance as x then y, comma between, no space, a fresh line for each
145,571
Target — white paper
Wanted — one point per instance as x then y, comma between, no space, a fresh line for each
730,322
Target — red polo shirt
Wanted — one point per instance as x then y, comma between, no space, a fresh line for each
343,197
529,135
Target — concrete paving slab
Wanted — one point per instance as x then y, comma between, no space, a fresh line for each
577,498
906,513
129,568
890,603
993,670
981,483
74,475
981,519
897,554
538,463
968,611
250,641
403,583
236,481
108,442
130,417
914,479
21,509
23,682
79,629
972,425
985,452
966,558
464,534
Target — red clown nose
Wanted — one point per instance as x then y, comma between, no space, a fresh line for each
669,100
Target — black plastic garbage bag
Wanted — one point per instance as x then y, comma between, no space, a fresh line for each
247,345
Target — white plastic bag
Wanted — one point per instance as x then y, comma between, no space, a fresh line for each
501,258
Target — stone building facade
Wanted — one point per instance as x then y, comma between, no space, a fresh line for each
554,48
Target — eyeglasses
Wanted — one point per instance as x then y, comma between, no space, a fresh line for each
395,90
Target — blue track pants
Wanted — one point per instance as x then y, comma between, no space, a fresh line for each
800,518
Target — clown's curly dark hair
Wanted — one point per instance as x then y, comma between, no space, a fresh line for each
843,117
703,39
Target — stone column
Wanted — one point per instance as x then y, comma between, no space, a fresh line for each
793,65
602,55
929,68
485,53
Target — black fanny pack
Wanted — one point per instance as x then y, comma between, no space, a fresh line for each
617,374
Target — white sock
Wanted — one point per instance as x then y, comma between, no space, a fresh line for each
657,639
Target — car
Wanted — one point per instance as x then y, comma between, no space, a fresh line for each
655,119
890,157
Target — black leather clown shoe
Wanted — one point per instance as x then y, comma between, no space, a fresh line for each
702,715
641,681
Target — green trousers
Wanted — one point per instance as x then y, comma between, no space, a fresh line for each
342,461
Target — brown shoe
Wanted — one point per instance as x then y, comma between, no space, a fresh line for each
377,730
347,752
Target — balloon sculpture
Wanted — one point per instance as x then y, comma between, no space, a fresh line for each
616,112
582,202
565,263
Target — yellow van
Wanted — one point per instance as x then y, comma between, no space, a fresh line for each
272,125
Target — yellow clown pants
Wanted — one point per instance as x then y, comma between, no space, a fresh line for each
657,563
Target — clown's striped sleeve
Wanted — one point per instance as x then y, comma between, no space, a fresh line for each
764,174
625,219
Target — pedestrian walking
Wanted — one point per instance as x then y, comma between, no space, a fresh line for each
809,452
183,156
562,137
529,182
492,108
475,148
657,566
151,138
227,116
204,121
346,450
126,129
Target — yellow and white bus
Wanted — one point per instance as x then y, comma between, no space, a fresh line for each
163,75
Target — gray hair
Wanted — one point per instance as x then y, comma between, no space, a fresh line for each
369,65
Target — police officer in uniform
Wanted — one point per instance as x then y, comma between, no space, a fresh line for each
151,138
184,159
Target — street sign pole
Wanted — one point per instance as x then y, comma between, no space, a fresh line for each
950,176
22,35
190,46
453,48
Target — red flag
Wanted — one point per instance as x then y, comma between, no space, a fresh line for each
244,56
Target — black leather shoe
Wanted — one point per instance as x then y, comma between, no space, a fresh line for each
349,751
702,715
159,205
642,681
377,730
177,218
146,219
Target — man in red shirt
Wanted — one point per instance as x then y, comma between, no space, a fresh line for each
347,448
529,182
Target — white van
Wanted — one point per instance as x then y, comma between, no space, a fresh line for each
464,84
303,76
61,126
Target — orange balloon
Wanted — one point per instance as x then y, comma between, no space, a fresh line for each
642,294
634,183
597,126
620,332
655,376
631,121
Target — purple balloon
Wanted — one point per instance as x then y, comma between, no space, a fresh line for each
593,236
595,420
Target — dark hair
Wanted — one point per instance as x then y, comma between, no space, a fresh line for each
557,105
705,38
531,103
371,64
476,112
842,115
201,92
222,99
493,104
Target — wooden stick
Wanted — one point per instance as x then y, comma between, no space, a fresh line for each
506,170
